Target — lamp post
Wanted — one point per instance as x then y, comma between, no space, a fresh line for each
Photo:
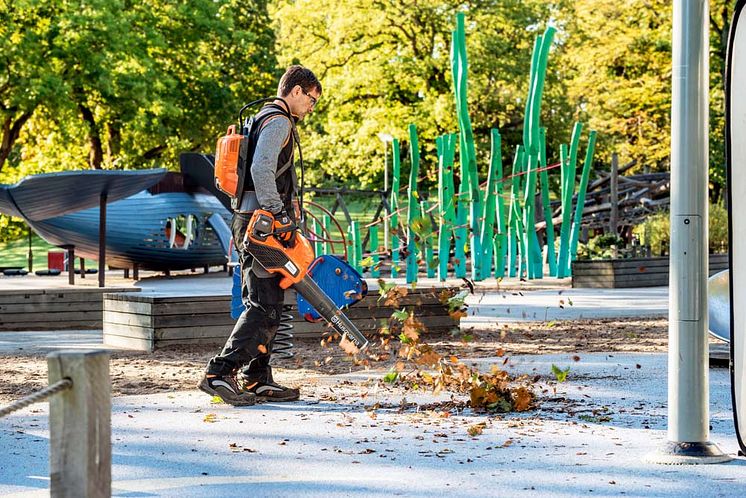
386,138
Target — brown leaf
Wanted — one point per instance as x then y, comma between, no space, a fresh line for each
454,359
522,399
348,346
475,430
500,352
262,348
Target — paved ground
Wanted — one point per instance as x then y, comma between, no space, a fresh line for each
589,438
491,308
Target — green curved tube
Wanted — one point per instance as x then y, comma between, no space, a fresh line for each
490,204
413,207
396,167
581,196
551,254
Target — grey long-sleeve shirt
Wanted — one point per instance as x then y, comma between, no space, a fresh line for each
264,166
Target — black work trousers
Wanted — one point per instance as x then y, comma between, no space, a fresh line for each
249,347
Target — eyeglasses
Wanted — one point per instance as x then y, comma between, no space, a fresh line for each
314,100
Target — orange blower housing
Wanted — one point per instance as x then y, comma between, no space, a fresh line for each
291,261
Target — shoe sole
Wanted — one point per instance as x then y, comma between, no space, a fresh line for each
205,388
264,399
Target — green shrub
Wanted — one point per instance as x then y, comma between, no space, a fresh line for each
656,230
600,246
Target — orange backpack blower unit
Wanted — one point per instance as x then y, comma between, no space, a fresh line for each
292,262
230,156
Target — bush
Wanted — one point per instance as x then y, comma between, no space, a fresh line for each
600,246
656,231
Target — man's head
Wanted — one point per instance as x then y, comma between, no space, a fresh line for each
301,90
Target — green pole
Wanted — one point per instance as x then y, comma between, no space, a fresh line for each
413,206
357,242
567,186
317,245
490,205
374,249
446,151
551,254
514,213
427,242
326,222
581,196
396,166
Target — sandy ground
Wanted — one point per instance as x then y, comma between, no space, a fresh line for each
178,369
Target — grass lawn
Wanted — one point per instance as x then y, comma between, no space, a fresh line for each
15,254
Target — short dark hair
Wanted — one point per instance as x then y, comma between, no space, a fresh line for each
298,75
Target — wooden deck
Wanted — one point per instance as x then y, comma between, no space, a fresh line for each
152,321
62,308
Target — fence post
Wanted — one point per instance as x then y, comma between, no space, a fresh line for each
80,425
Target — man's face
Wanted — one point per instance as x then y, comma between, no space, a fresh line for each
303,102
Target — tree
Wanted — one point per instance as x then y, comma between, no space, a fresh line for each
132,83
384,65
27,73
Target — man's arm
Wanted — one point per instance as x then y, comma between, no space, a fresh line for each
264,166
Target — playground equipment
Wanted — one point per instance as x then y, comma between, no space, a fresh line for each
718,304
476,223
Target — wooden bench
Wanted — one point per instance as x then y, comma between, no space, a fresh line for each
54,309
153,321
633,272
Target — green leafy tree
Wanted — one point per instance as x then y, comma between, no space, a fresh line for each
384,65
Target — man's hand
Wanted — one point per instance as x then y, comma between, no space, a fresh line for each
284,228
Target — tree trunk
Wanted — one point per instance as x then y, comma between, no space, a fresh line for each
115,140
96,153
11,132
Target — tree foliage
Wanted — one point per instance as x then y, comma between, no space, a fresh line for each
117,83
387,64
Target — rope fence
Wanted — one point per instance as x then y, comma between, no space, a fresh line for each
36,397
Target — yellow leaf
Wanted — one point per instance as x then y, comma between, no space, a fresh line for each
210,418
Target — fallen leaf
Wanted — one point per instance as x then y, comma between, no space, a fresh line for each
348,346
262,348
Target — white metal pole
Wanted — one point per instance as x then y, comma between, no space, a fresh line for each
688,355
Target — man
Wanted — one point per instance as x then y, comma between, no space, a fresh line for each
272,186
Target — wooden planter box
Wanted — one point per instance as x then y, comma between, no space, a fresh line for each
153,321
634,272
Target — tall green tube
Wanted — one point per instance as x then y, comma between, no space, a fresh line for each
395,239
490,204
581,197
546,204
514,213
374,248
467,153
568,184
446,145
413,207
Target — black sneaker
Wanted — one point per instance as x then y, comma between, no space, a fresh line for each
226,387
269,391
